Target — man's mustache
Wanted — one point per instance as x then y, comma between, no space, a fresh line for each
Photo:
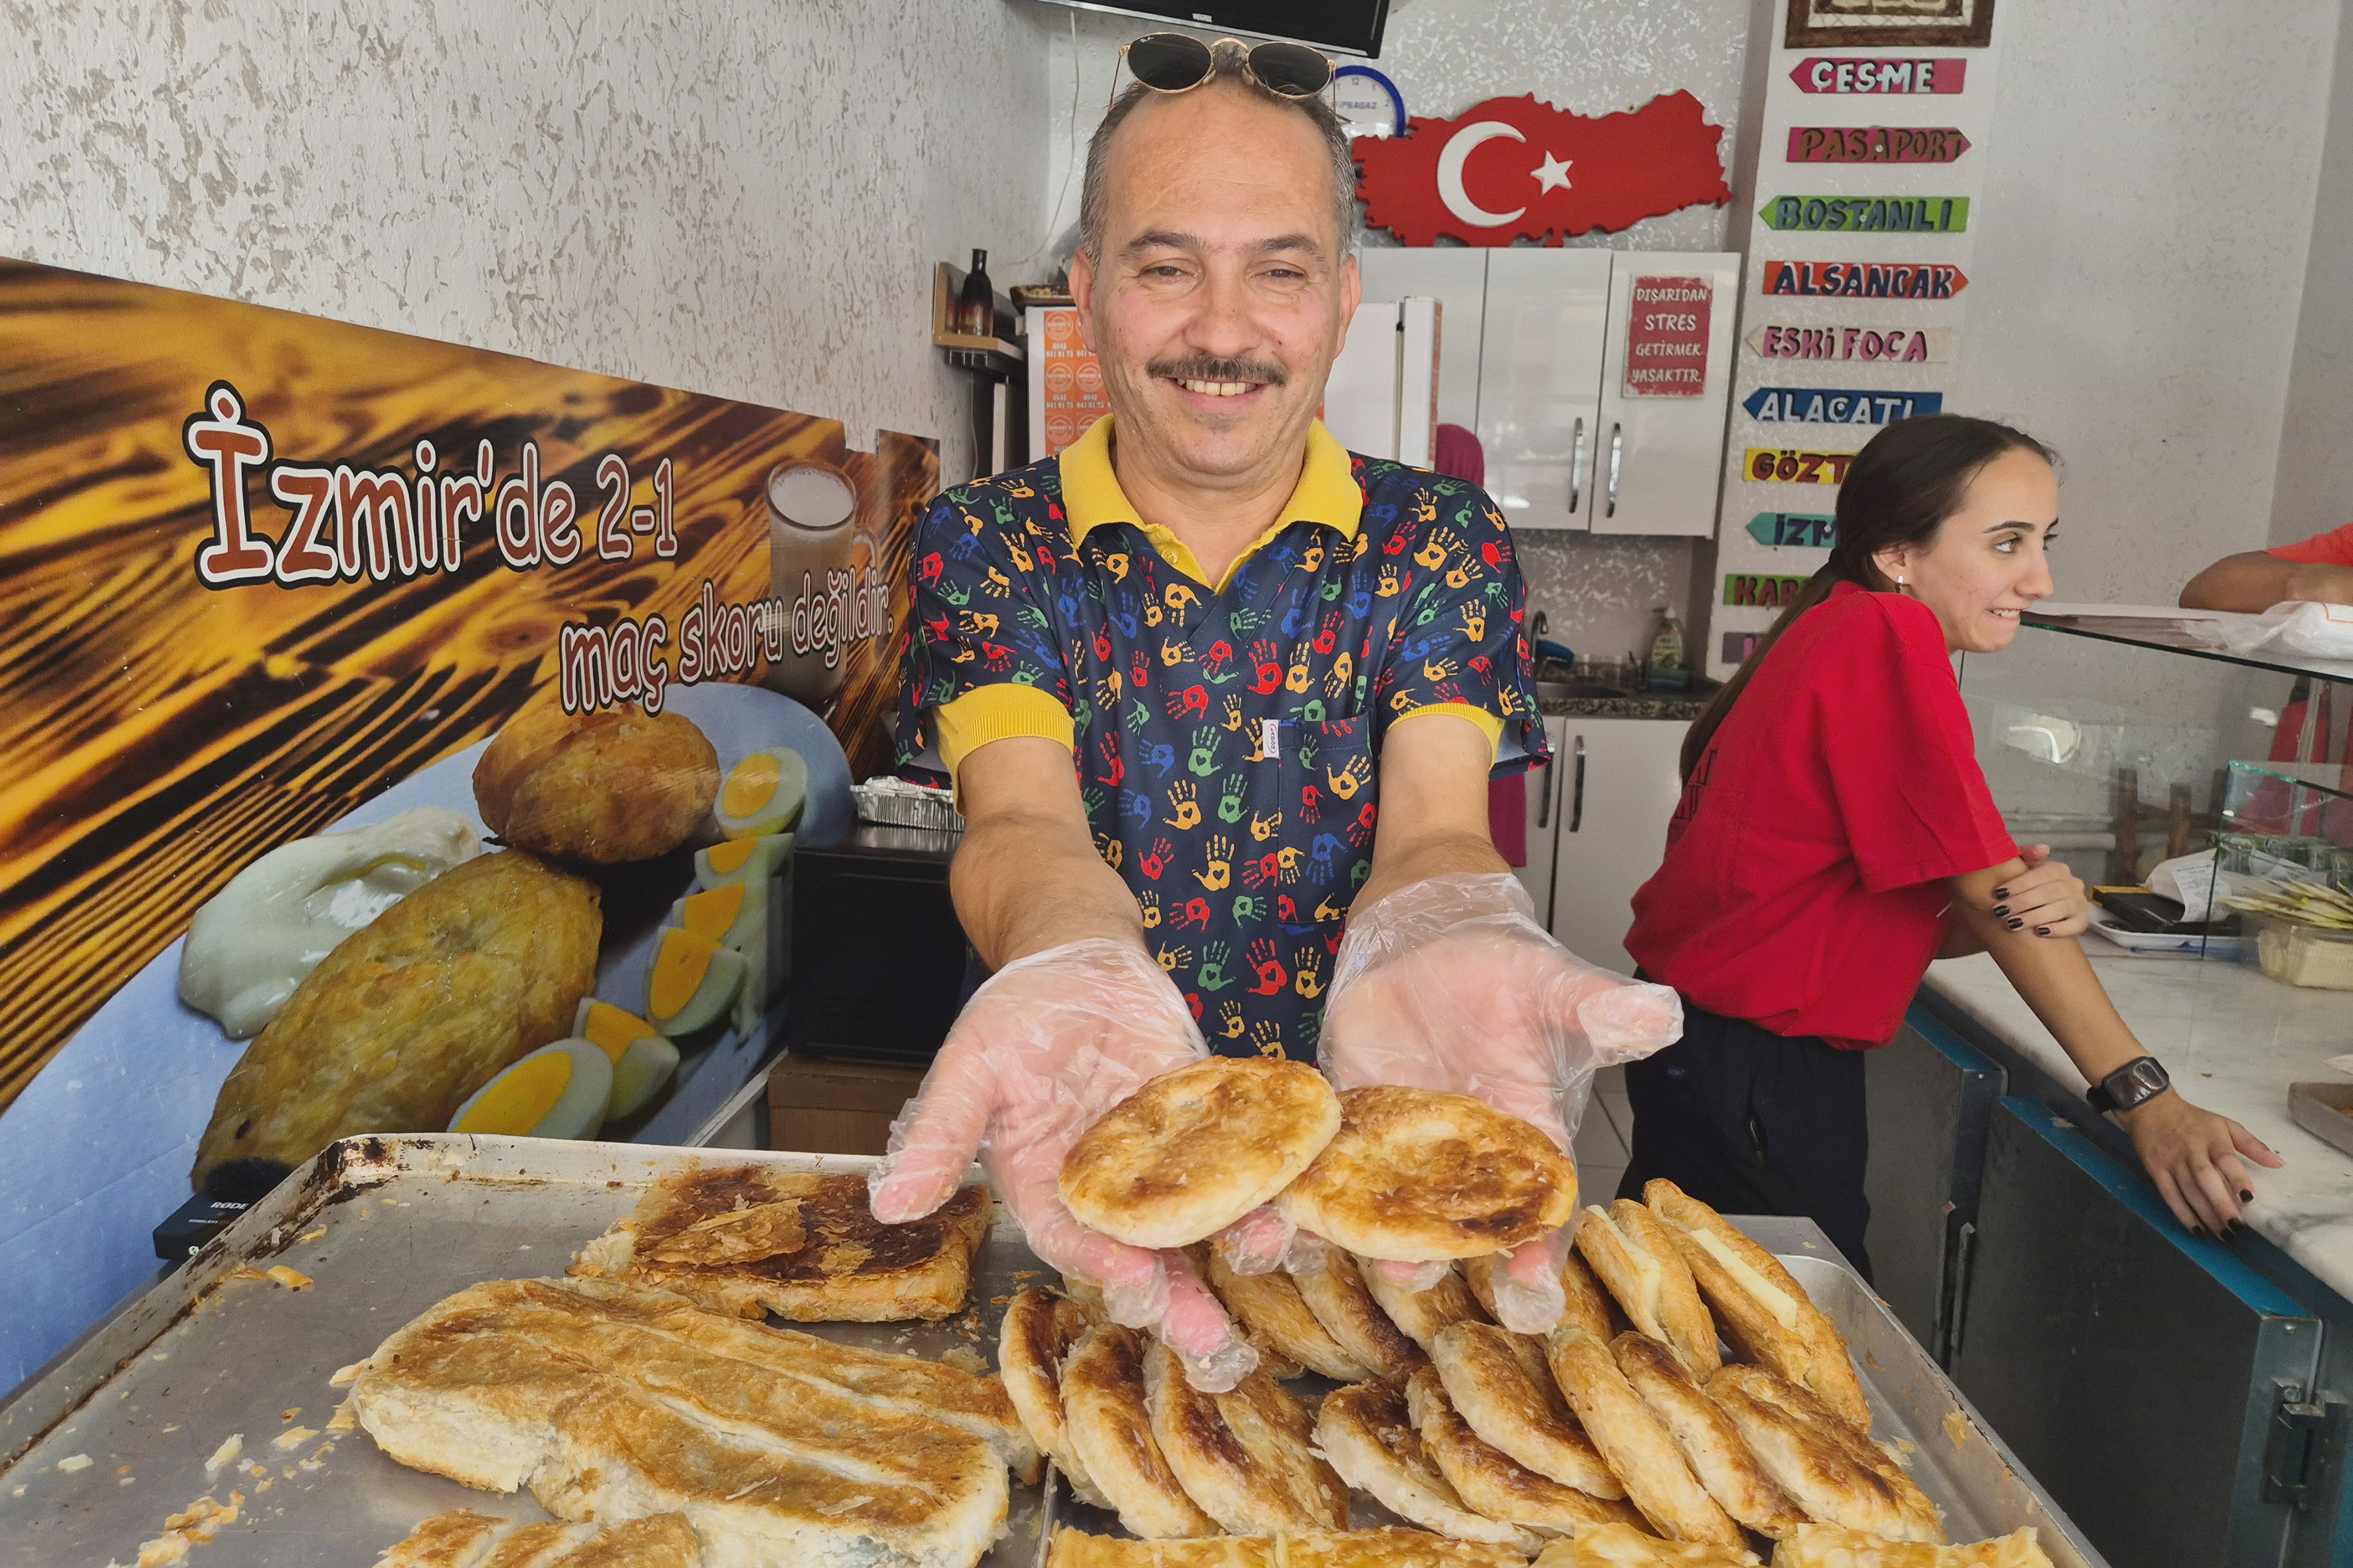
1206,368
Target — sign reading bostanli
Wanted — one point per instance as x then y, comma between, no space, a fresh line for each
1902,346
1828,406
1811,531
1822,73
1868,215
1876,144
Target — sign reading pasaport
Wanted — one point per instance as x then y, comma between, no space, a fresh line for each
1666,337
1868,215
1827,406
1876,144
1899,345
1823,73
1864,279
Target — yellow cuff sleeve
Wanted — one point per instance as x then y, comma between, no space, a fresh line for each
1489,724
1005,712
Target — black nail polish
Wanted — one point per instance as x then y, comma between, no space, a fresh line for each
2043,931
2200,1232
2001,908
2245,1196
2000,893
2014,924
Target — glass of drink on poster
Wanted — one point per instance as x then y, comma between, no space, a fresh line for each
813,537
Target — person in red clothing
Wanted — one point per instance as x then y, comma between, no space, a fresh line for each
2319,568
1835,834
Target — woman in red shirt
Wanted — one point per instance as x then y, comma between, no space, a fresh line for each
1836,833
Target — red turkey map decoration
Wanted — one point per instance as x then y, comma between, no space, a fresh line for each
1512,168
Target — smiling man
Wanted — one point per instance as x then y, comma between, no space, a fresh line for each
1206,684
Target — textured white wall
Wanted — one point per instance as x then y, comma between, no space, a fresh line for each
739,199
1592,57
2315,488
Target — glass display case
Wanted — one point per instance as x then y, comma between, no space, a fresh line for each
2111,736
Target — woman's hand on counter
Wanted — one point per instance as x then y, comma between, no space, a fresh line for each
2194,1157
2046,899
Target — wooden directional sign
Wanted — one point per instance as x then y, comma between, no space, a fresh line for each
1764,591
1868,215
1895,345
1874,144
1811,531
1791,467
1833,406
1822,73
1864,280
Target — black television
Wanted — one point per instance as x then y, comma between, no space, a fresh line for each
1348,27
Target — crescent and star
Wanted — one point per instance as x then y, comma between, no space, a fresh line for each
1550,176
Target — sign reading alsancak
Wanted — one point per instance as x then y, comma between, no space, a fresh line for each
1864,279
1827,406
1868,215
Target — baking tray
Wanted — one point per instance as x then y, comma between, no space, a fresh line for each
2324,1111
386,1226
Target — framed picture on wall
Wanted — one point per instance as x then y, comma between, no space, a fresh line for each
1871,24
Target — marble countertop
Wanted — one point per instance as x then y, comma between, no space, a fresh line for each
1680,705
2234,1041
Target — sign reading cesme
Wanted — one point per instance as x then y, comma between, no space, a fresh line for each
1790,467
1864,279
1899,345
1666,337
1811,531
1868,215
1820,73
1876,144
1825,405
1761,589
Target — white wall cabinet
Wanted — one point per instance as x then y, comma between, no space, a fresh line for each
1536,346
1613,788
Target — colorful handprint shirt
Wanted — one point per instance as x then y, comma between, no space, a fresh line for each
1227,736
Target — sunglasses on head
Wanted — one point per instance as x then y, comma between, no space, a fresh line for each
1177,62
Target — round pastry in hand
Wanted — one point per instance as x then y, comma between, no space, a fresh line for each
1417,1175
1195,1150
607,787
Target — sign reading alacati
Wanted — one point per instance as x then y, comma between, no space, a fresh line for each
259,568
1512,168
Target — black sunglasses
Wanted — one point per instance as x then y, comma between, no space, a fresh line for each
1177,62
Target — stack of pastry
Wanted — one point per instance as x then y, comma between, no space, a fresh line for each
1624,1436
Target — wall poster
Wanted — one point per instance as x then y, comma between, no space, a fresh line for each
1874,24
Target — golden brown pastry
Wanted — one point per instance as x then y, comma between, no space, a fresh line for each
1631,1254
1336,1294
412,1012
1763,1309
1516,1407
1587,1305
1195,1150
1623,1546
1637,1449
607,787
1830,1546
1274,1317
1421,1176
1389,1547
1366,1431
744,1234
1705,1436
1419,1314
1248,1457
1111,1430
1834,1473
1489,1480
1040,1328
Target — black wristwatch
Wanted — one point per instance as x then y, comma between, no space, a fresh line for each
2137,1082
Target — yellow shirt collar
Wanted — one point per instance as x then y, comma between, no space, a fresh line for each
1327,492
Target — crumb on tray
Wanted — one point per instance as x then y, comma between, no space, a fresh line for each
293,1436
231,1447
1956,1427
73,1462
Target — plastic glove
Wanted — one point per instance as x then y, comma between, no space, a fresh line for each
1449,983
1047,1044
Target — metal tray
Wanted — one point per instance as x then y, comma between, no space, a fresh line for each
2324,1111
386,1226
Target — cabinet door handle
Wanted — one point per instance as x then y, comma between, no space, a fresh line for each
1576,789
1543,799
1616,452
1576,467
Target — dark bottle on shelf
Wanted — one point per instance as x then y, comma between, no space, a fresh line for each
976,313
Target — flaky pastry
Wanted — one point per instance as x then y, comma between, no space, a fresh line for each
1515,1406
1638,1449
1111,1430
1246,1458
1832,1546
1705,1436
1275,1318
1367,1432
1834,1473
1491,1481
1632,1255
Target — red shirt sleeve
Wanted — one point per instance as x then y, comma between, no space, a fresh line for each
1902,758
2333,548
